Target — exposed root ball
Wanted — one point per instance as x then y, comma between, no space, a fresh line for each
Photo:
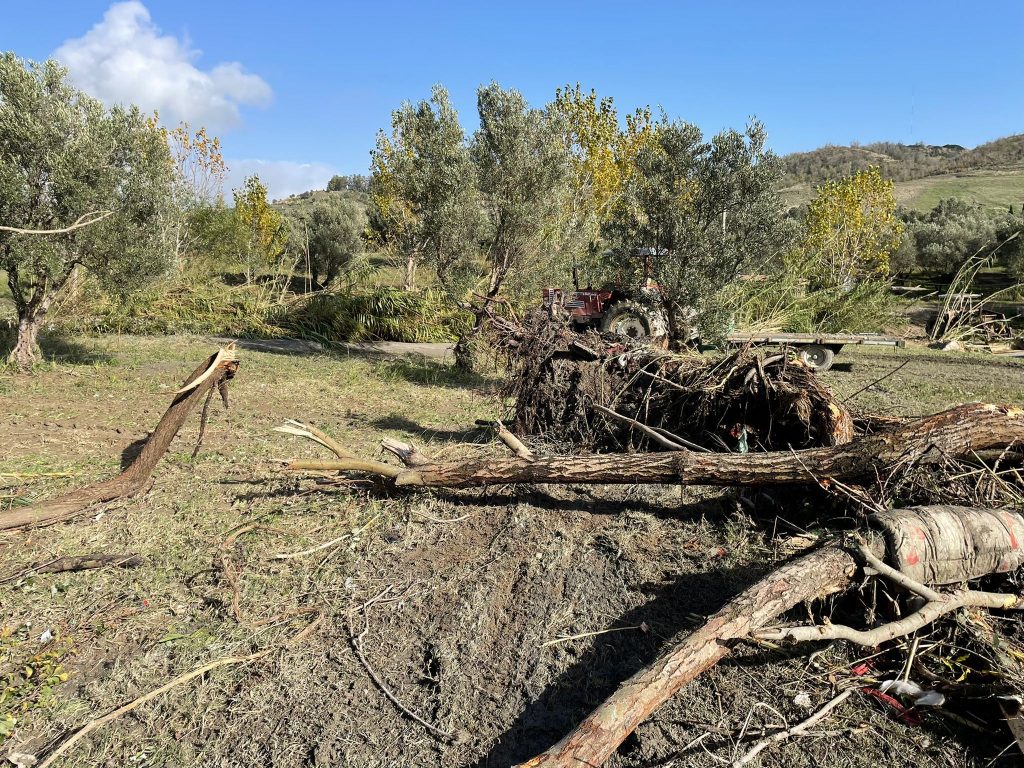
742,401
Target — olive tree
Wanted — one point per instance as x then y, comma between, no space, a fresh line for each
524,172
423,192
335,234
694,215
64,158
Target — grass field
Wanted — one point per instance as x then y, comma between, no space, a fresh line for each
474,583
993,189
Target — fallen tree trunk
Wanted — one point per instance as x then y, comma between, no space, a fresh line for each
957,432
212,375
818,574
815,575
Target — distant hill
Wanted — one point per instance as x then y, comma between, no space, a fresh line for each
301,204
991,174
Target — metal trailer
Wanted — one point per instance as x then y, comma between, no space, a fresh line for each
816,350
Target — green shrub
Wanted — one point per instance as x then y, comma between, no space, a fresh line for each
263,310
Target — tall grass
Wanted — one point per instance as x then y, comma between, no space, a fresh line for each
782,302
206,305
381,314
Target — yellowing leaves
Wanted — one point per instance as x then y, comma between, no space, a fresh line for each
852,229
603,155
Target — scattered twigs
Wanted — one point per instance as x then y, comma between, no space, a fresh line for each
796,730
231,573
584,635
357,646
660,436
311,550
879,380
99,722
78,563
213,373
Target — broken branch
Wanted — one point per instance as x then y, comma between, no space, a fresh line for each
211,374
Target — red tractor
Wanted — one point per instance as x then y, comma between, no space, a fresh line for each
610,310
633,313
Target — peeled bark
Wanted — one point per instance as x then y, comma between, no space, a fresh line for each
136,477
954,433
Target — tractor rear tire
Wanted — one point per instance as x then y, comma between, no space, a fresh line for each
629,319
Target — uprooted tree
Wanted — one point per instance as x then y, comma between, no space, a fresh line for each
81,186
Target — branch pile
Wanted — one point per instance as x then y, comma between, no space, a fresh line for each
601,393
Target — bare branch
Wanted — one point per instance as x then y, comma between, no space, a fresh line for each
84,220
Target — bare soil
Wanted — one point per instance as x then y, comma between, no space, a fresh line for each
498,617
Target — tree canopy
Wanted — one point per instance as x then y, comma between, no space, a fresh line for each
699,212
63,156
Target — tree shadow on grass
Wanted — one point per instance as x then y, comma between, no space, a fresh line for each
399,423
417,369
60,348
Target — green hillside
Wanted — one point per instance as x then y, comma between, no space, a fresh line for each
991,174
993,189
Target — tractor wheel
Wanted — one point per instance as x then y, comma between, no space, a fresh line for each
627,319
817,358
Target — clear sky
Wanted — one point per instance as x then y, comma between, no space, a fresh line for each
297,90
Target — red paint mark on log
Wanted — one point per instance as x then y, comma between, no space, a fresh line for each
1009,529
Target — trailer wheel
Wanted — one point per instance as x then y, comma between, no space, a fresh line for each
627,319
817,358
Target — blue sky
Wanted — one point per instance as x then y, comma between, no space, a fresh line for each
298,90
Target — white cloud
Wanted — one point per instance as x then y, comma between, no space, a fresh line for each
125,59
281,177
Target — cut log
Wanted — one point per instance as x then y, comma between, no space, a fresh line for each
958,432
212,375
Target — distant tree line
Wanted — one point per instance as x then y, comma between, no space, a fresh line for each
353,183
941,240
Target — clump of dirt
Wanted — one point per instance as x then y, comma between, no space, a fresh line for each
564,384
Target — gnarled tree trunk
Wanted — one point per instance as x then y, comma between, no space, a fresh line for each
26,346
